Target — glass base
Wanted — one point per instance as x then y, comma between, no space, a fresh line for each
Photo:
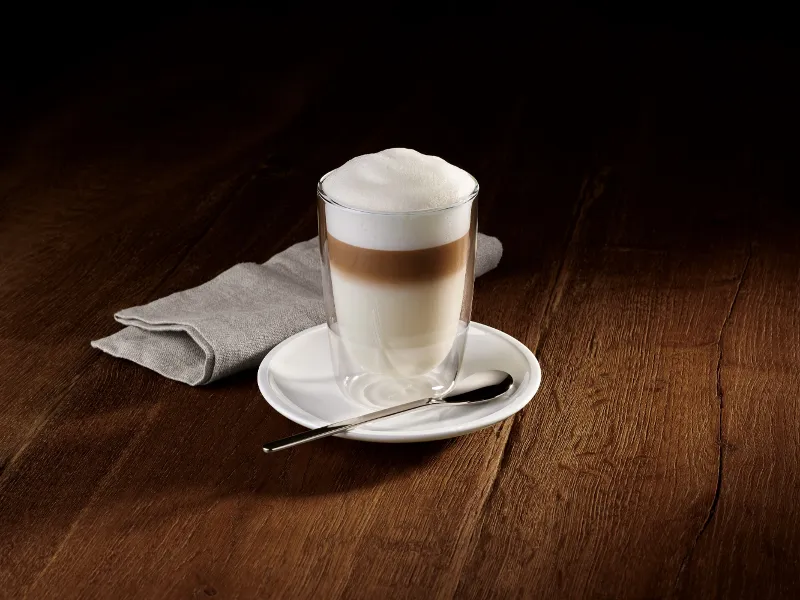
383,391
388,389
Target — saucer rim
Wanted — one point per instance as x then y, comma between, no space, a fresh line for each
526,393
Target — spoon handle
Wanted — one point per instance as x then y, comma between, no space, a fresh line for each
334,428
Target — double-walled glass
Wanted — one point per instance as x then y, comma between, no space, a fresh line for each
398,296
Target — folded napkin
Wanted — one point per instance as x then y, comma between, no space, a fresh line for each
230,323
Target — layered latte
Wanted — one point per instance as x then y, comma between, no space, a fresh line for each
397,228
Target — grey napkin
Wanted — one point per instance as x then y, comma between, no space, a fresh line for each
230,323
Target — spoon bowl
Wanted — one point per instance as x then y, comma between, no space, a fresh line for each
478,387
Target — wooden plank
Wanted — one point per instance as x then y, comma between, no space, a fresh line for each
128,191
597,471
748,545
608,476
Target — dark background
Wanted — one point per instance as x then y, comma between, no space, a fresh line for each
45,52
738,58
40,43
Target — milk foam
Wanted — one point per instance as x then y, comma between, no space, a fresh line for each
379,198
398,180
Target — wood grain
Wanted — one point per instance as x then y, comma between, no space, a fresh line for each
651,262
606,486
102,231
749,545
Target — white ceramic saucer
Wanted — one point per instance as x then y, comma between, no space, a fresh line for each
296,378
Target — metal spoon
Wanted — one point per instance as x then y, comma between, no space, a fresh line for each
477,388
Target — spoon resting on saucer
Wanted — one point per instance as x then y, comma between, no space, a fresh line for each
475,389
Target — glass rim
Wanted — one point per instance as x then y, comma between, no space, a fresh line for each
425,211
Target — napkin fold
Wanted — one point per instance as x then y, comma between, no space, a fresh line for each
229,323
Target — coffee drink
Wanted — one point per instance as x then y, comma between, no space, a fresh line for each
397,233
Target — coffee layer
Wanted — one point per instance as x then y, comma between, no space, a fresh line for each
399,266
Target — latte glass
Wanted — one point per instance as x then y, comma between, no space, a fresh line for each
398,296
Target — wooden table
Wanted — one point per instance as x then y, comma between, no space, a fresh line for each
644,185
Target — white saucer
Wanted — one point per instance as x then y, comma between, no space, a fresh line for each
296,378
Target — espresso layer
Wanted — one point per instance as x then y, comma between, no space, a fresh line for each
399,266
